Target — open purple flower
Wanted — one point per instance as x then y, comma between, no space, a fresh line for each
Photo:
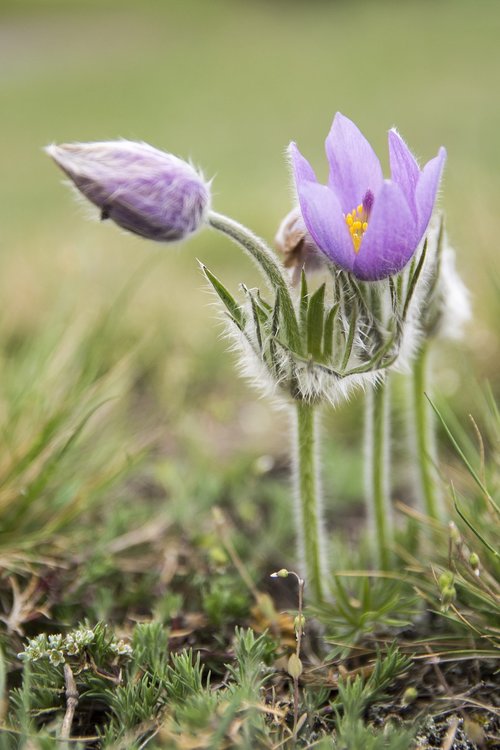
145,191
361,222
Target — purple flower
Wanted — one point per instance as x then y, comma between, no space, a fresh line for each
361,222
146,191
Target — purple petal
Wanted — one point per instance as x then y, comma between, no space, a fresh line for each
404,168
325,221
302,170
391,237
354,167
427,187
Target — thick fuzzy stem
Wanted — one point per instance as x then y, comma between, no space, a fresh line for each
308,498
377,439
423,435
267,262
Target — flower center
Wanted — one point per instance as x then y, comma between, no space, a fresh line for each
357,220
357,224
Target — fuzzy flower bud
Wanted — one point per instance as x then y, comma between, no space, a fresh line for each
145,191
297,247
446,306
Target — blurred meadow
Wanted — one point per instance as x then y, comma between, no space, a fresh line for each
123,420
229,84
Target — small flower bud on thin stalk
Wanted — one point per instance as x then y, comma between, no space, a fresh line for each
295,667
474,562
445,579
299,622
282,573
454,533
448,596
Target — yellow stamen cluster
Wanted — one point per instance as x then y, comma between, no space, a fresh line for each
357,224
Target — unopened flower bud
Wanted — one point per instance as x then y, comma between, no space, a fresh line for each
446,307
299,622
445,579
410,695
474,562
448,595
145,191
282,573
454,533
297,247
294,667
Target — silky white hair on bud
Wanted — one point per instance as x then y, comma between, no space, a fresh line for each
456,298
445,300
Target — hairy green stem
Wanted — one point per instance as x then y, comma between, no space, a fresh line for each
309,510
267,262
424,437
377,471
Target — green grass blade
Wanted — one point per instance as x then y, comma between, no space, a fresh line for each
464,458
471,526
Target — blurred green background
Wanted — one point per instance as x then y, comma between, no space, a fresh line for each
228,84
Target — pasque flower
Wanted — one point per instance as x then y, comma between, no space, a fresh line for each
146,191
363,223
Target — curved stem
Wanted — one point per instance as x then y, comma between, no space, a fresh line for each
265,259
424,437
309,507
377,471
